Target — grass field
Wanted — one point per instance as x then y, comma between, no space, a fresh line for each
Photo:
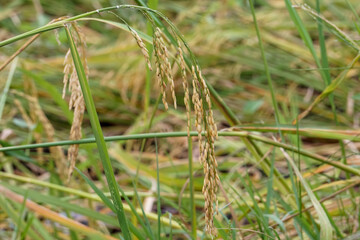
233,119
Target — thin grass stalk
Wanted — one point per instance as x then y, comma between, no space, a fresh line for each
336,30
147,226
304,34
355,14
245,135
21,217
12,57
191,188
278,116
7,166
325,65
99,137
107,202
27,227
298,142
329,89
138,167
7,86
158,205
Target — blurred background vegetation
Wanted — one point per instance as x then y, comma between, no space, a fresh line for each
223,38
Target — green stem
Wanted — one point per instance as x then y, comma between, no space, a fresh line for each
192,189
242,134
59,24
99,137
266,66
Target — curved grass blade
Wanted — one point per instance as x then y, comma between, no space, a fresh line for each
325,225
336,30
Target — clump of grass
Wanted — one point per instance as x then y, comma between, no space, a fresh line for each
274,206
76,75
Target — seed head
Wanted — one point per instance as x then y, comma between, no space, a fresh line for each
185,85
76,100
163,67
207,148
142,46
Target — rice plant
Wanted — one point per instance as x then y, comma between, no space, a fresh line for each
179,120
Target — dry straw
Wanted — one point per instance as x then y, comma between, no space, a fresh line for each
76,100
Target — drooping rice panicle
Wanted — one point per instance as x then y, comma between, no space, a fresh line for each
76,101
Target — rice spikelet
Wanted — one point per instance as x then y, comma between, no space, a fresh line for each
185,86
204,121
163,67
142,46
207,148
76,101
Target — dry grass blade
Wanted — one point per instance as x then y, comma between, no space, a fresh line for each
329,89
325,225
331,25
331,196
23,47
